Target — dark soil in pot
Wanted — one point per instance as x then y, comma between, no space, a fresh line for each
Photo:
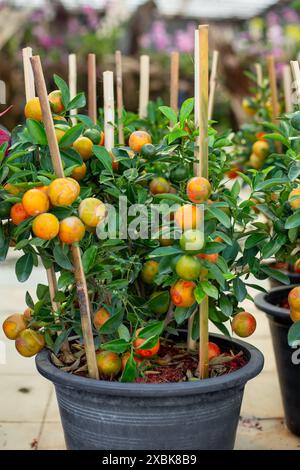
287,366
186,415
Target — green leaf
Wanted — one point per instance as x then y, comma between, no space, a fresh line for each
220,215
245,178
63,87
29,301
154,329
277,138
149,343
66,279
294,171
118,346
217,274
176,134
254,240
62,258
130,372
165,251
60,340
293,220
89,258
294,335
24,267
235,190
42,291
239,289
270,183
71,135
169,113
199,294
161,298
185,110
225,305
123,332
112,324
37,132
210,289
276,274
103,156
77,102
170,197
181,314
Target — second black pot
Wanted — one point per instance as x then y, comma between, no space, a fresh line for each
287,358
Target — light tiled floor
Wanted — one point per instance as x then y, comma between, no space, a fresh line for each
29,416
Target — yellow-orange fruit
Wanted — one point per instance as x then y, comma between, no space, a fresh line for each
92,211
45,226
255,161
188,217
71,230
79,172
59,134
29,343
243,324
138,342
18,213
294,298
11,189
35,202
137,139
63,191
33,109
294,201
198,189
260,148
55,100
182,293
13,325
109,363
149,271
100,317
84,147
295,315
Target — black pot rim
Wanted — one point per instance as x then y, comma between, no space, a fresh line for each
262,302
234,379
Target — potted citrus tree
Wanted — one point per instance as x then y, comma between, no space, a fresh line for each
152,287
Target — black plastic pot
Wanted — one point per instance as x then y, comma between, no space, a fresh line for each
188,415
293,277
288,370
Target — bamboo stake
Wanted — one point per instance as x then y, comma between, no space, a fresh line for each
30,93
174,80
296,75
259,74
203,171
73,83
92,94
274,95
196,77
28,74
213,83
144,86
77,263
287,87
119,79
109,111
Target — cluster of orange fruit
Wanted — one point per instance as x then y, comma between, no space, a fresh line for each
37,202
294,303
28,342
260,150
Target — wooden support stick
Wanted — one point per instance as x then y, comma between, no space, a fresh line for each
73,82
30,93
287,87
259,75
273,86
109,111
174,80
296,75
213,83
28,74
119,79
78,270
92,93
196,77
203,171
144,86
